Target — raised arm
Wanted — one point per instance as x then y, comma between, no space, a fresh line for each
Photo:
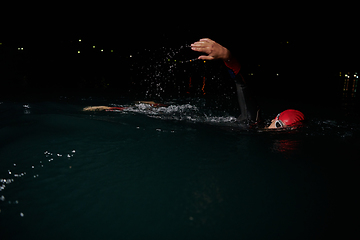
248,108
212,48
216,51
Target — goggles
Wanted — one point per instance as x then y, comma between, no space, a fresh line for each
278,123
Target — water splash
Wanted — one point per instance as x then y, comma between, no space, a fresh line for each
179,112
156,71
17,172
27,109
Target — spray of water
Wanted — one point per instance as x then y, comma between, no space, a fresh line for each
189,112
161,71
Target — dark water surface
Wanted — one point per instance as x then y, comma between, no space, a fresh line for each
169,174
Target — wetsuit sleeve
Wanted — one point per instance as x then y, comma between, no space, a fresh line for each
233,65
248,106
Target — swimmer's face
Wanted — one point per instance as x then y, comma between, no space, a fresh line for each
276,124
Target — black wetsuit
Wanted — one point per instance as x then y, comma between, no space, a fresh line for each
249,110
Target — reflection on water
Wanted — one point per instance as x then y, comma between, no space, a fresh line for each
286,146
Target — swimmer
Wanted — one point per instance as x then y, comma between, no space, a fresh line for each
249,111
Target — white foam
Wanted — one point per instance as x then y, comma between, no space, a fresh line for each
183,112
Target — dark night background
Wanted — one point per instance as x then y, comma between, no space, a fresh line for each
287,54
291,56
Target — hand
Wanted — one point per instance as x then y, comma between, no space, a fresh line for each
212,48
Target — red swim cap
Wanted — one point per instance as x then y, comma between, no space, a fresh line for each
291,117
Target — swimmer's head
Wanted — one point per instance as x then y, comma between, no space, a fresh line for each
288,119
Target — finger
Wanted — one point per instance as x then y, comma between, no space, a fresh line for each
200,44
206,40
198,49
201,48
203,57
197,44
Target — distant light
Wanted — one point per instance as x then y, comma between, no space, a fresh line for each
204,61
277,74
346,75
111,50
78,51
131,56
0,43
18,48
22,49
93,46
80,40
287,41
102,50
